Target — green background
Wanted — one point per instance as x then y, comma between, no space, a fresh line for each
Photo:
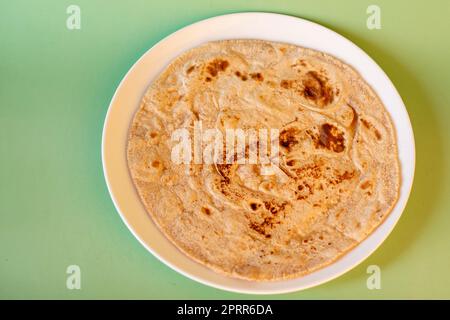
55,87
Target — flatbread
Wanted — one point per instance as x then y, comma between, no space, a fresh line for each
338,175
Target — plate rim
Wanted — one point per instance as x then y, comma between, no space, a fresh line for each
400,206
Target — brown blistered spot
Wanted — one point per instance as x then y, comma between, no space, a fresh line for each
290,163
368,125
155,164
316,88
254,206
264,227
302,62
241,75
258,228
216,66
257,76
206,211
190,69
306,190
377,134
286,84
365,123
287,138
196,114
224,184
307,185
347,175
366,185
269,222
282,50
224,170
153,134
273,207
208,79
330,138
341,177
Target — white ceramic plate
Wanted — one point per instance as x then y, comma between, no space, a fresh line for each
266,26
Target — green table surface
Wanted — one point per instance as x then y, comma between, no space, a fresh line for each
55,88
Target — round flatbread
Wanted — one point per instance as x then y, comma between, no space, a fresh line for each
335,180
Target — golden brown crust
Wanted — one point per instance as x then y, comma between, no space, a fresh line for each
339,172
